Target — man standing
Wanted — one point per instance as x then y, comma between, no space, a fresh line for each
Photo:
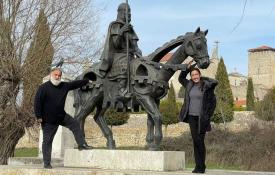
49,110
114,56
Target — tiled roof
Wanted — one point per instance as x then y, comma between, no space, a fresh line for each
236,74
240,103
166,57
261,48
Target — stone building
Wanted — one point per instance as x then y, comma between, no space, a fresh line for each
261,68
174,78
238,84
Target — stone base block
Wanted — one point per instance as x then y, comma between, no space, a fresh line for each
33,161
125,159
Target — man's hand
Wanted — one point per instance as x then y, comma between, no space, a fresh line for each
125,28
39,120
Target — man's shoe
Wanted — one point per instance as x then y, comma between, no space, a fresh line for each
48,166
84,147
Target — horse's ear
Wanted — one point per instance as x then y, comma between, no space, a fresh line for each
205,32
198,30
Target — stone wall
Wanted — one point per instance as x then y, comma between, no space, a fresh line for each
239,92
134,132
261,67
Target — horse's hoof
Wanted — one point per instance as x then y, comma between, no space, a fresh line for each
154,148
111,144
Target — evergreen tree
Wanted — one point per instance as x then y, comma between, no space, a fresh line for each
250,99
38,60
114,118
225,101
169,108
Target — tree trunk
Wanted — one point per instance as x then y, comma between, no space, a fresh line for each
9,138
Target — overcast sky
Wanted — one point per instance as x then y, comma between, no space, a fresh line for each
159,21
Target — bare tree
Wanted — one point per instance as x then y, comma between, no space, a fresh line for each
73,26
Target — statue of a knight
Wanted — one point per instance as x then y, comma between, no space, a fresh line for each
114,56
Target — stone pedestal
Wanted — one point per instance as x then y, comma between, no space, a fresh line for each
125,159
64,138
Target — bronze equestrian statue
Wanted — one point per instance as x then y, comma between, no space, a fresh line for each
148,79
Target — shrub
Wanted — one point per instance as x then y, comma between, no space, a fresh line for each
114,118
169,108
265,109
247,150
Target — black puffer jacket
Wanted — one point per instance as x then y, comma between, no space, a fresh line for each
208,103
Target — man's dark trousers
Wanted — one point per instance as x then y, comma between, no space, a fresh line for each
49,131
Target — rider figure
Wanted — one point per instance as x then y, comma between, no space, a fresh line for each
114,57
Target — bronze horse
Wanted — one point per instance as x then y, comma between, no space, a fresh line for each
148,82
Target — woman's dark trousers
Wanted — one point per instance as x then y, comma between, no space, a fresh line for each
198,142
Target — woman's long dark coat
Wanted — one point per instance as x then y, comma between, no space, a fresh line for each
208,103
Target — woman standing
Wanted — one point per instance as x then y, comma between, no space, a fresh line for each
199,105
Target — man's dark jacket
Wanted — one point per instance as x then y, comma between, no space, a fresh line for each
50,100
208,101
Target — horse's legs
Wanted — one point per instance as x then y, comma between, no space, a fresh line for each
107,132
151,107
85,110
150,130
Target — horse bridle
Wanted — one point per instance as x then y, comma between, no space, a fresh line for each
195,50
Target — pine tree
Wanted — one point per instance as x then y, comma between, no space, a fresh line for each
169,108
225,101
250,99
38,60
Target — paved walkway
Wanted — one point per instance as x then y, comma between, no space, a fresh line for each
38,170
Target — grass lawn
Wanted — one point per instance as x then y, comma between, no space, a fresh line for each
213,166
26,152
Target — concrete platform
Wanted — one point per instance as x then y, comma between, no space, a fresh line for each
38,170
125,159
33,161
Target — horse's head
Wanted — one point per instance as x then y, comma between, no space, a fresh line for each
196,47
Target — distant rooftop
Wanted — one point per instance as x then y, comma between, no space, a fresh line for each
236,74
262,48
240,103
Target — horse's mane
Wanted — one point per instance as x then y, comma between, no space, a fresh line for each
160,52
